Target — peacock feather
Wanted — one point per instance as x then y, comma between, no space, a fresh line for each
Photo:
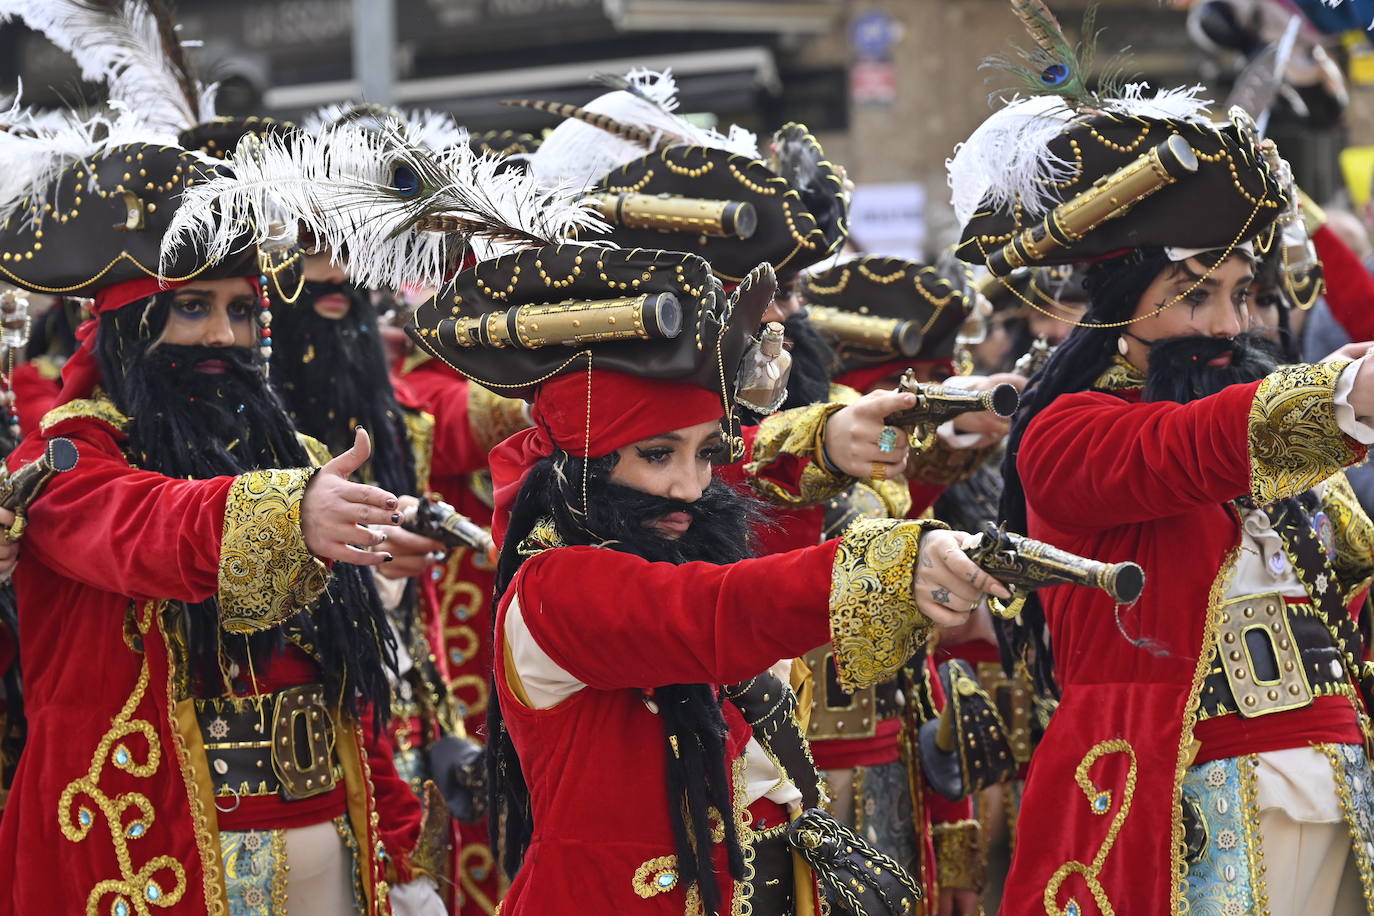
1053,65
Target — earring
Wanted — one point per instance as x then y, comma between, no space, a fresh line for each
1121,345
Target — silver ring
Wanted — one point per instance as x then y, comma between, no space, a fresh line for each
237,801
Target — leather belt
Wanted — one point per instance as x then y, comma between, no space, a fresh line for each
271,744
1271,656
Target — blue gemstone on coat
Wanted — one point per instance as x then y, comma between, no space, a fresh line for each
667,879
121,756
136,829
121,907
152,891
84,816
1072,909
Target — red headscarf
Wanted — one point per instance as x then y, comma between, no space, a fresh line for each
81,373
590,414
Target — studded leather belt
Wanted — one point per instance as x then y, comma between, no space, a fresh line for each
271,744
1271,656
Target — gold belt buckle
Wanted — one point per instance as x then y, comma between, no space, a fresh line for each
302,743
1260,657
834,713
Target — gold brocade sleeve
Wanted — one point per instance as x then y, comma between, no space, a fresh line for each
798,432
960,860
493,418
1294,440
937,463
1354,560
875,626
266,574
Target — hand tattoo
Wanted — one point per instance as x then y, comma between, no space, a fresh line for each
941,596
926,561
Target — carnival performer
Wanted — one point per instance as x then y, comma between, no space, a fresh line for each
1208,750
615,483
232,747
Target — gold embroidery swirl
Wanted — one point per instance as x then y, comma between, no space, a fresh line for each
1120,376
99,408
960,859
492,417
1354,560
797,432
1099,802
1187,746
875,626
1294,440
475,863
128,816
266,574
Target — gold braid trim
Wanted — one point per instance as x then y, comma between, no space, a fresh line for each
492,417
875,626
188,745
1246,768
799,432
99,407
1294,440
1100,803
123,818
266,574
420,433
960,859
1354,560
1187,747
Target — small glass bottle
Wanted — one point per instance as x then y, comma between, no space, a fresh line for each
763,380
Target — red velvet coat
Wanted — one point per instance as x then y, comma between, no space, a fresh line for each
112,796
1109,477
594,763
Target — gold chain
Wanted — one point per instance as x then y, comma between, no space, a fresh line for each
1129,321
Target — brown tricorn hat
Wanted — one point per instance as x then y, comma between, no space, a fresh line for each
102,222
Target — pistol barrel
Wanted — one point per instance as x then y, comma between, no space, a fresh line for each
938,403
1029,564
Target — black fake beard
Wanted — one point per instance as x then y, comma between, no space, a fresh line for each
1178,369
332,377
187,423
619,517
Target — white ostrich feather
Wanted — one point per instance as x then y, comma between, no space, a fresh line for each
37,146
122,47
1007,159
576,154
340,185
423,127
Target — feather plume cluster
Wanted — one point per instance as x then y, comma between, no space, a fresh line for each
621,126
133,47
37,146
403,214
1053,65
434,130
1007,161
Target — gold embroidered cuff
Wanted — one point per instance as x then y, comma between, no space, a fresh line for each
960,860
1294,440
875,626
266,574
1354,560
799,432
493,418
938,463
